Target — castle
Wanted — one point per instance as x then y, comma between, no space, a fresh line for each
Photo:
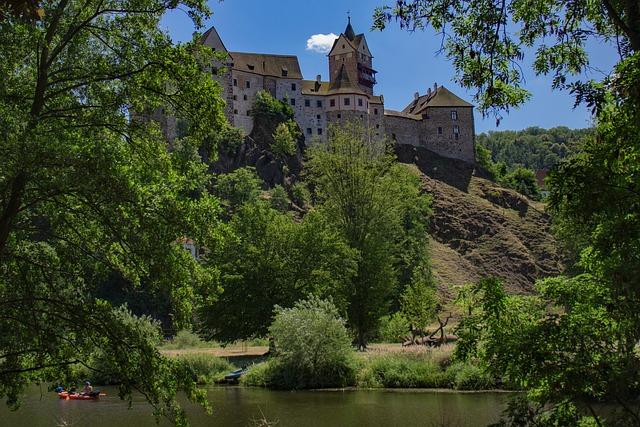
438,120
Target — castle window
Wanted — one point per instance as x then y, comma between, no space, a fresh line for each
319,131
359,102
319,104
375,111
456,129
457,136
318,117
235,111
377,126
293,87
332,102
309,131
393,136
293,101
454,115
251,67
439,131
307,103
245,97
235,97
347,101
248,84
285,72
235,82
339,115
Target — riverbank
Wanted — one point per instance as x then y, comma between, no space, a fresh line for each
382,366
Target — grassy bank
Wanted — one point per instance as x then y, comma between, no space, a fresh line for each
411,369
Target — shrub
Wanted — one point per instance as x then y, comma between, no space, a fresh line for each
394,328
279,198
301,194
313,347
467,376
206,368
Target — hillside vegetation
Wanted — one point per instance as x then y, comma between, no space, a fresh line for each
481,229
533,148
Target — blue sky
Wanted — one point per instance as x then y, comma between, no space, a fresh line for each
406,62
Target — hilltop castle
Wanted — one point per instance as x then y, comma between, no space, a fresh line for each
438,120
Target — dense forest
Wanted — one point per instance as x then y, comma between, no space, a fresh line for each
533,148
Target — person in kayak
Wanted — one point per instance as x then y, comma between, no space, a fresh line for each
87,390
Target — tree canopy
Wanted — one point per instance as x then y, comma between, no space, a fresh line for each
88,188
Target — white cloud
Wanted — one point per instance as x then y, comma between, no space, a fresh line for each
321,43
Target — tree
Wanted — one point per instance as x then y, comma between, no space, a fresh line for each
486,40
88,188
284,139
376,205
270,259
419,304
238,187
580,344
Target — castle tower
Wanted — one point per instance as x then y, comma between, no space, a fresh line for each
350,53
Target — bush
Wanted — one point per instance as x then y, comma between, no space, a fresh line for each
393,328
207,368
467,376
313,348
301,194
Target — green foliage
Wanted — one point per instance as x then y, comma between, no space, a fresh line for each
517,178
270,259
238,187
407,370
313,348
88,189
269,109
394,328
207,369
468,376
487,40
377,206
301,194
533,148
523,181
419,303
279,198
228,139
284,139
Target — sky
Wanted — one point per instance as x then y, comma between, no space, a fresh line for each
407,62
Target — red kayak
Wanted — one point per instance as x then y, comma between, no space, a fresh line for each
77,396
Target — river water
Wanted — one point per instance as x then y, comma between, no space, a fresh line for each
237,406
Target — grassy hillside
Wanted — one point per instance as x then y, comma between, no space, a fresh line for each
481,229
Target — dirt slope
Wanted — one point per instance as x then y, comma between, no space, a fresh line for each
481,229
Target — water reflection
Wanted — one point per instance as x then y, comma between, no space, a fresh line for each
236,406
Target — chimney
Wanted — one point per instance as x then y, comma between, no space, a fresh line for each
435,87
429,92
318,78
416,96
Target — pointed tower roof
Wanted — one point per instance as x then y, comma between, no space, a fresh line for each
348,32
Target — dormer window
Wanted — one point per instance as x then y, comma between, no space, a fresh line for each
285,72
251,67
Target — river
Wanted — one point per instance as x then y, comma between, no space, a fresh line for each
237,406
